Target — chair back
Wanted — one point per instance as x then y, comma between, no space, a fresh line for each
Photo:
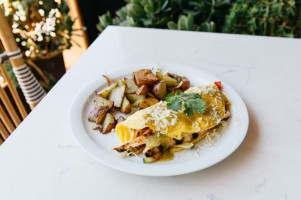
10,117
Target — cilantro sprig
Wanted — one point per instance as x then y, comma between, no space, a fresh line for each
191,101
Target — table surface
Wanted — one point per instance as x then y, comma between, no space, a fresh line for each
41,160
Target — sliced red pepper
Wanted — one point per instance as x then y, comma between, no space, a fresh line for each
218,84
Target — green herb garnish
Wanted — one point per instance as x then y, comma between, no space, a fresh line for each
191,101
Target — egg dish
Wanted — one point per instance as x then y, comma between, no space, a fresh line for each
157,114
156,131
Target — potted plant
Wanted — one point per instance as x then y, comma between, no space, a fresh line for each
42,29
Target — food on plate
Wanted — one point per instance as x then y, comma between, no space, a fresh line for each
131,86
142,90
145,77
97,114
100,101
108,123
170,82
158,113
126,106
135,97
147,102
159,90
106,92
117,95
174,124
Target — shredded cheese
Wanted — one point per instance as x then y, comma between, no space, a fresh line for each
161,117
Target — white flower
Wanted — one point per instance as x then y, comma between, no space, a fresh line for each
42,12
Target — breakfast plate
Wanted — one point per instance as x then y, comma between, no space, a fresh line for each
205,153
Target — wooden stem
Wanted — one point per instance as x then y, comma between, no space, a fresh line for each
9,107
9,42
4,133
13,91
8,124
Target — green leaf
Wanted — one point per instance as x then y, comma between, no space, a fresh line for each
188,109
172,25
198,105
191,101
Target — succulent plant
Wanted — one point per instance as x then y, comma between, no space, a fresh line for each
268,17
255,17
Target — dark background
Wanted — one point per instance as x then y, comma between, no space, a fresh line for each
91,9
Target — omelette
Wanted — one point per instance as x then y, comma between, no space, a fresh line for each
157,131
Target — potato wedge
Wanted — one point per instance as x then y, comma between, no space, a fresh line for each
159,90
133,109
121,82
108,79
170,82
145,77
126,106
100,101
106,92
149,94
120,119
97,114
134,97
96,127
109,123
185,84
131,86
142,90
117,95
147,102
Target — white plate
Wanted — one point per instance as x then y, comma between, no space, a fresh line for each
99,146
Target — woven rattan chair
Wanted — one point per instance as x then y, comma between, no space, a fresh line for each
32,90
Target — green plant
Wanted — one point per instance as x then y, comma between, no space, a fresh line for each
42,29
174,14
268,17
192,102
256,17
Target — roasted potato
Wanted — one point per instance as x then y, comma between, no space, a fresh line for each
159,90
97,114
126,106
142,90
120,119
147,102
109,123
106,92
97,127
109,81
99,101
134,97
133,109
185,84
131,86
145,77
170,82
117,96
121,82
149,94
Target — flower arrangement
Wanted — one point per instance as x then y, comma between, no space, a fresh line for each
42,29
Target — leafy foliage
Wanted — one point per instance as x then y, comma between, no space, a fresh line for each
196,15
269,17
256,17
191,101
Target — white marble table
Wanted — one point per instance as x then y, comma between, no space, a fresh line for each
41,160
